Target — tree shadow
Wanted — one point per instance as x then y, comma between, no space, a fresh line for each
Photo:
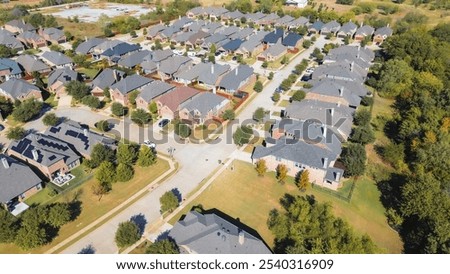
89,249
177,193
391,130
164,235
140,221
391,190
75,209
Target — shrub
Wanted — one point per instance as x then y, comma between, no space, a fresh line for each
50,119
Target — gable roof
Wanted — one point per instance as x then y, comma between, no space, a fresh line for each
211,75
318,25
302,21
131,83
15,178
284,20
49,149
233,45
233,79
53,33
365,30
80,139
384,31
134,59
10,65
63,75
161,54
332,26
341,70
155,89
154,30
211,234
10,41
348,28
17,88
31,63
56,58
173,64
230,30
178,96
20,24
203,103
274,36
291,39
107,77
242,34
274,50
120,49
86,46
233,15
330,87
30,35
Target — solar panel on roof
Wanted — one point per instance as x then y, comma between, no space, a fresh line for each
72,133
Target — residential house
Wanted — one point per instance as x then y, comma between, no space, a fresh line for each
166,34
105,79
169,103
283,21
154,31
360,56
292,41
230,30
348,29
9,69
254,17
381,34
152,92
32,39
190,76
253,46
336,117
215,13
212,234
211,77
300,22
331,27
18,26
268,20
134,59
160,55
181,38
57,60
87,46
203,107
9,40
216,39
196,38
49,155
238,78
31,63
17,182
120,90
172,65
242,34
196,25
115,53
316,27
363,32
53,35
79,138
331,91
273,37
149,67
298,3
18,89
231,46
195,12
342,70
182,23
232,16
58,79
213,27
99,49
273,53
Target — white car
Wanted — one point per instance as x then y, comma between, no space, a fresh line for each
191,53
150,144
177,52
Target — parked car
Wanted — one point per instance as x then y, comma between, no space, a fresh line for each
2,127
150,144
240,94
191,53
279,90
177,52
163,122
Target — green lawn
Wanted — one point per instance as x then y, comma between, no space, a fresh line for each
283,103
91,207
253,197
91,73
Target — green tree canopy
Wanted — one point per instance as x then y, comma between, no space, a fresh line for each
106,173
27,110
101,153
77,89
258,87
15,133
117,109
165,246
59,214
140,117
146,157
127,234
298,95
8,227
50,119
354,158
228,114
168,202
124,172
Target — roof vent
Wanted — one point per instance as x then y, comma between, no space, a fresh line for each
325,162
241,237
5,163
35,154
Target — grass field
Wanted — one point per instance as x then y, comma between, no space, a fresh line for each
283,103
91,207
81,29
253,197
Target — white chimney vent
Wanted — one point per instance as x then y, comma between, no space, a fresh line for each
338,176
332,112
86,132
5,162
35,154
325,162
324,130
341,91
241,237
212,68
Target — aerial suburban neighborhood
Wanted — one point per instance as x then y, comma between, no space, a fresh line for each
239,127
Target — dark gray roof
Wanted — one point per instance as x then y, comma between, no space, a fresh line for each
284,20
352,53
330,87
301,21
348,28
242,34
211,234
230,30
30,63
107,78
193,73
196,26
253,17
80,139
11,65
15,178
317,26
340,70
182,22
173,64
233,79
232,45
274,36
152,31
131,83
54,33
121,49
63,75
49,149
274,50
365,30
30,35
134,59
169,31
252,42
384,31
107,44
332,26
21,25
215,38
155,89
334,174
211,75
9,40
56,58
291,39
17,88
86,46
203,103
182,37
212,27
233,15
160,55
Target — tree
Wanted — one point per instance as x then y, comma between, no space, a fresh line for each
50,119
59,214
165,246
102,125
27,110
100,153
8,227
259,114
270,77
127,154
77,89
362,117
107,94
158,45
6,52
132,97
146,157
117,109
354,158
15,133
302,180
127,234
32,233
345,2
124,172
91,101
363,135
298,95
80,60
261,167
281,173
108,32
265,64
183,130
153,107
258,87
106,173
284,60
6,107
100,188
228,114
298,230
140,117
242,135
168,201
276,97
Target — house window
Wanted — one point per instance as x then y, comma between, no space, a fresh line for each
298,165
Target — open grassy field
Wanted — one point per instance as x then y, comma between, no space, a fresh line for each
91,207
81,29
253,197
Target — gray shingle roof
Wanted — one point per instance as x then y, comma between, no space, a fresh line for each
365,30
203,103
233,15
9,40
348,28
384,31
154,30
332,26
274,50
30,63
121,49
15,179
211,234
17,88
160,55
340,70
131,83
86,46
330,87
172,64
233,79
56,58
54,33
21,25
211,75
284,20
106,78
242,34
134,59
11,65
301,21
63,75
155,89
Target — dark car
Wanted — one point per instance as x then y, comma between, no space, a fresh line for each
278,90
241,94
163,122
1,127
